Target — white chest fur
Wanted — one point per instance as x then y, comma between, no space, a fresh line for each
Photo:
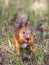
24,45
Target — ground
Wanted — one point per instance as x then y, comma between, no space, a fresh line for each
8,56
40,30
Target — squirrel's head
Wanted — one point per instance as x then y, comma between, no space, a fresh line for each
25,33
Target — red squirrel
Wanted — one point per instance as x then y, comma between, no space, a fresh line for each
21,36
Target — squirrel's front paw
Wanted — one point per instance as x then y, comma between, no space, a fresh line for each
18,53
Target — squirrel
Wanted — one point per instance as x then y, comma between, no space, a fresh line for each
23,35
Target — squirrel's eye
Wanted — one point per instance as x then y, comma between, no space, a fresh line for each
24,32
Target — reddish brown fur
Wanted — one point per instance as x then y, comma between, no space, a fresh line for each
19,39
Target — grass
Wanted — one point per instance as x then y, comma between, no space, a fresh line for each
6,17
17,59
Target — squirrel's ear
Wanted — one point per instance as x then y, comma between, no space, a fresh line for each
28,25
25,24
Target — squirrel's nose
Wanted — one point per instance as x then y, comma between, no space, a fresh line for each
27,37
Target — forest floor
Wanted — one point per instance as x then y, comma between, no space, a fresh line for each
41,36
